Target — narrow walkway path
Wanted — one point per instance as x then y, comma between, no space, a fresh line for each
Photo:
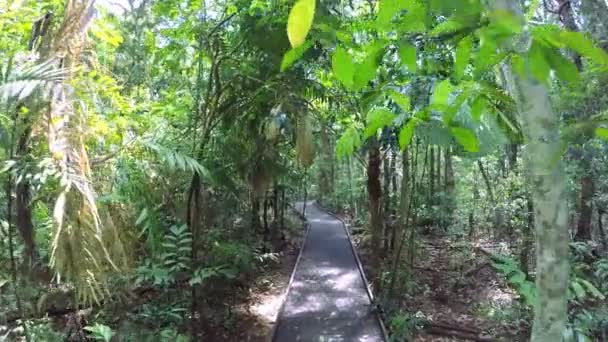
327,300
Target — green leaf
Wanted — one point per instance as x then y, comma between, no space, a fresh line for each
486,55
565,70
451,25
300,21
402,100
406,133
407,54
466,138
366,71
538,64
578,42
376,119
463,53
343,67
592,289
477,107
441,93
348,142
578,289
294,55
387,10
601,133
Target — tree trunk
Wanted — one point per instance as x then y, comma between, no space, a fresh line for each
374,192
387,165
403,199
351,198
583,230
438,170
512,156
325,165
449,181
432,176
23,207
600,228
527,239
540,126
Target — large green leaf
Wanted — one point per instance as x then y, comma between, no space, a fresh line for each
300,21
602,133
407,54
578,42
293,55
466,138
538,64
441,93
376,119
402,100
564,68
463,53
366,70
406,133
343,67
348,142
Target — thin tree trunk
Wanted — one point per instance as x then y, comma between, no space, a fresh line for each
432,176
351,199
583,230
374,192
387,166
600,228
449,181
403,199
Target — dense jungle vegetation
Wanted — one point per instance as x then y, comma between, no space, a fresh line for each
150,152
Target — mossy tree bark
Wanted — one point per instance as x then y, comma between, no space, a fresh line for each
547,179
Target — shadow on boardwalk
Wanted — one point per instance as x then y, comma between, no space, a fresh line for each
327,300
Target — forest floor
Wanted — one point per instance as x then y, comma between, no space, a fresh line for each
454,293
255,314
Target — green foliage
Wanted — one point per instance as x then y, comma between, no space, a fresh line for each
178,248
294,55
300,21
343,67
348,142
509,268
100,332
377,119
466,138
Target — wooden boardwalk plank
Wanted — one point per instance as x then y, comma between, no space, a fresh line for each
327,300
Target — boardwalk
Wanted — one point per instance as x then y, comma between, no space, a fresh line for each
327,300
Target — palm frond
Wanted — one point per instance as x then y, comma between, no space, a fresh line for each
23,81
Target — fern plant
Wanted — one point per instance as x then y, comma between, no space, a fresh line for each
178,242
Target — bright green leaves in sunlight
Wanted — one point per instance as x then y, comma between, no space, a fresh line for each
343,67
578,42
348,142
300,21
441,93
601,133
294,55
402,100
406,133
463,53
539,66
366,70
377,119
466,138
407,54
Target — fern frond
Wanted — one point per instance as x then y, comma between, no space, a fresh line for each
176,160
